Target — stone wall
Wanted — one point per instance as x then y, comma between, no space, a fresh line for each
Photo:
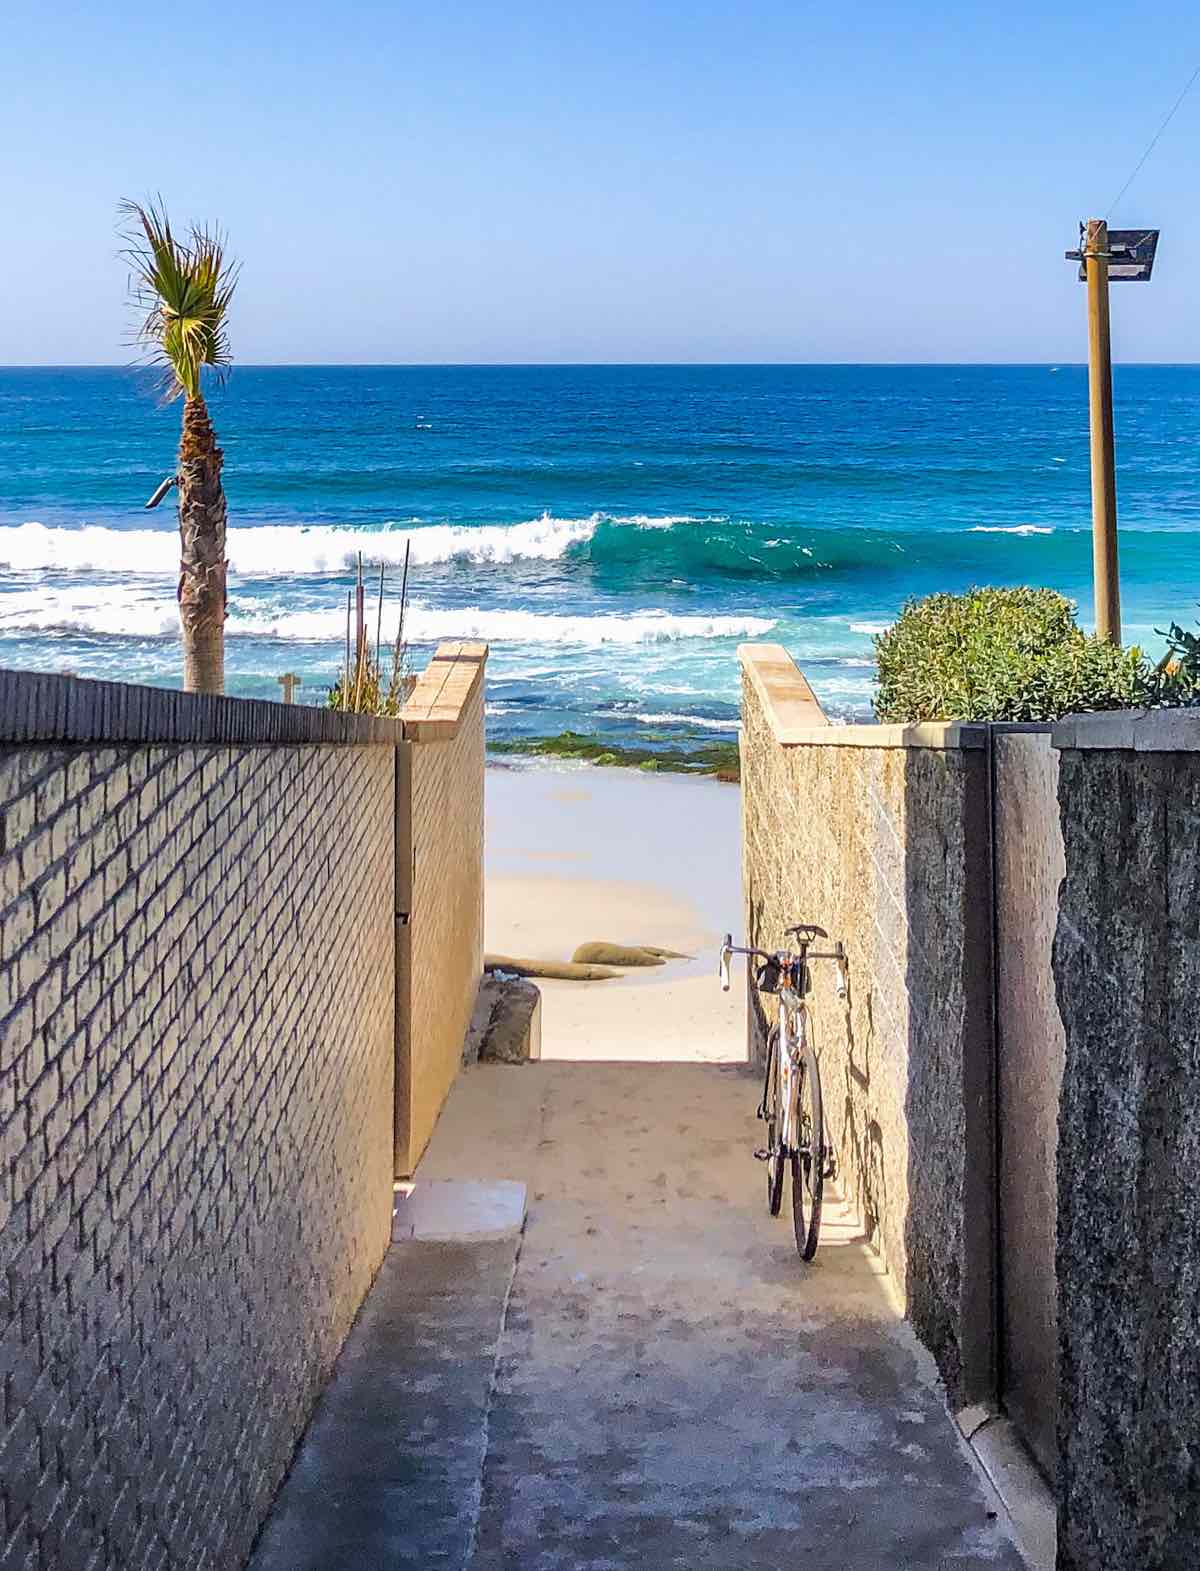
1077,867
880,835
1029,1063
440,887
1127,969
196,1060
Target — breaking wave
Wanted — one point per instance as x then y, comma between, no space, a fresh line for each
125,612
275,550
673,546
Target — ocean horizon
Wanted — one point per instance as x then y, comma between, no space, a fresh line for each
613,531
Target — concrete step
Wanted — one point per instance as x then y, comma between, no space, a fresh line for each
389,1472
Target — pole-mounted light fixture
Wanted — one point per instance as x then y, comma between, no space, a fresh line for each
1124,255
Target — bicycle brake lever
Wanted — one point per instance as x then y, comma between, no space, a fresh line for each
726,950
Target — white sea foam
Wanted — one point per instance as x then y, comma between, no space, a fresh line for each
277,550
694,720
125,611
869,627
666,521
531,627
115,611
1010,529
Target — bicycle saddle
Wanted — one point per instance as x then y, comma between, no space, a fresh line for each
805,931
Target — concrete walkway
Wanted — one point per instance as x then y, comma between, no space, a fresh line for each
672,1387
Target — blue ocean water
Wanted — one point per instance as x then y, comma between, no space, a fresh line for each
613,532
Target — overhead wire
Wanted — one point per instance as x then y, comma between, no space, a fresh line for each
1191,81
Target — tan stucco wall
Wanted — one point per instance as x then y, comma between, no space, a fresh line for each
440,950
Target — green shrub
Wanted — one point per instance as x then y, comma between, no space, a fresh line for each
1000,654
1175,681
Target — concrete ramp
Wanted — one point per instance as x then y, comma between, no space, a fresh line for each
655,1381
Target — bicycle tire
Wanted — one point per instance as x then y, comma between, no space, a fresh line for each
775,1163
808,1161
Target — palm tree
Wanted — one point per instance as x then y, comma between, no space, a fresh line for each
181,290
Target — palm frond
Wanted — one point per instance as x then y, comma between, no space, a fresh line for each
180,291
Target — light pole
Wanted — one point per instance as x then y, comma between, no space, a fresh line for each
1104,254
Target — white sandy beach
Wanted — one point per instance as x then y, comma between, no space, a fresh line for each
580,853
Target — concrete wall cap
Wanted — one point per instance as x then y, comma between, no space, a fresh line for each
1131,731
437,704
38,706
796,718
941,735
788,702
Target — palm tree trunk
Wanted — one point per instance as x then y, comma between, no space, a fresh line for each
201,552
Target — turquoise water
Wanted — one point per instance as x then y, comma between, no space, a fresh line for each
613,532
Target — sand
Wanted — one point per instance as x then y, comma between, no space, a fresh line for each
576,854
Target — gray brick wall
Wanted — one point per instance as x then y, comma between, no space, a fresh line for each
196,1061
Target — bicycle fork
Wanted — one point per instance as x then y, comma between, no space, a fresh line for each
789,1072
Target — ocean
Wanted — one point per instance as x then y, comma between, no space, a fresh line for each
613,532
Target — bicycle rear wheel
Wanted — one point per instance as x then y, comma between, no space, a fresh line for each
771,1106
808,1158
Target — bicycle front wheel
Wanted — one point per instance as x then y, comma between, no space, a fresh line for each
808,1155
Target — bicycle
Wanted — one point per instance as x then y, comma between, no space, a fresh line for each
791,1102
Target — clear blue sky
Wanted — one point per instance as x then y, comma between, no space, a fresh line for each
626,180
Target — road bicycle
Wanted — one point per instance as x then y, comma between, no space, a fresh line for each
791,1100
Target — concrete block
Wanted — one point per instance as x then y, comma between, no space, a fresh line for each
1023,1492
459,1211
506,1026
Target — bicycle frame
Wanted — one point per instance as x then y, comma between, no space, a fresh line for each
792,1104
792,1030
788,978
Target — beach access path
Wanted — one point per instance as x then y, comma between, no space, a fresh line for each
639,1372
579,854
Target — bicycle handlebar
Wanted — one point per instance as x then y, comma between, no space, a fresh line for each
729,949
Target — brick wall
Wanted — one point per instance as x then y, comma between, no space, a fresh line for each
196,1069
440,950
879,834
